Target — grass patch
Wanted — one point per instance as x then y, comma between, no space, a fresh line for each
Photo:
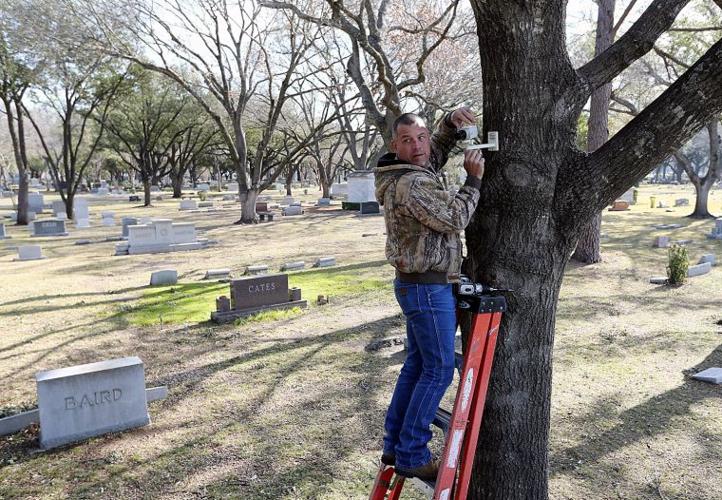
193,302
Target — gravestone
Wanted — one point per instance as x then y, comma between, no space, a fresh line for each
159,236
31,216
261,206
713,375
716,233
619,206
681,202
339,189
253,295
58,207
257,269
2,232
325,262
155,189
658,280
661,242
708,257
361,187
205,204
82,223
188,205
292,210
203,187
49,227
232,186
369,207
82,401
324,202
293,266
126,222
662,204
61,216
287,200
35,203
628,196
133,198
164,277
217,274
29,252
103,191
108,218
81,211
699,269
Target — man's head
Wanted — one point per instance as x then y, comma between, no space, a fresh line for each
410,139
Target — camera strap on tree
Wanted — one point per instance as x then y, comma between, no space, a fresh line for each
461,426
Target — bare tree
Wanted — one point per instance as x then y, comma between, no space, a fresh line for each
366,23
229,53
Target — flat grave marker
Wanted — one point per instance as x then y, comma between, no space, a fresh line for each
49,227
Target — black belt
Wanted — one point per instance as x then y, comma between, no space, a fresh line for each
427,278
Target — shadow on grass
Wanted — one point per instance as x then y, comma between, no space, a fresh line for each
293,446
653,417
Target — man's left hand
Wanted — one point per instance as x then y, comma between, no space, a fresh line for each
462,116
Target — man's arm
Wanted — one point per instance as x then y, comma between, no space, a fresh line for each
428,202
444,135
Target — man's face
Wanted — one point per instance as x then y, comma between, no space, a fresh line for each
411,144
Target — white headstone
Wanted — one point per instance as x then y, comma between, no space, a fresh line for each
292,210
322,202
203,187
325,262
713,375
30,252
61,216
108,218
88,400
35,202
183,233
82,223
58,206
699,269
708,257
188,204
232,186
164,277
80,209
2,231
361,187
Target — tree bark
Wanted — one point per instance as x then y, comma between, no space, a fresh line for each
538,192
248,207
146,191
588,249
702,190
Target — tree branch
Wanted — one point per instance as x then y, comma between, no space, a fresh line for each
636,42
660,129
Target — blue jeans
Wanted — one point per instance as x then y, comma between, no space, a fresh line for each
430,312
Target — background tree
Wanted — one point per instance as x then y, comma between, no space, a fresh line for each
18,70
143,126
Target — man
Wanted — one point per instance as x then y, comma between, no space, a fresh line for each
423,222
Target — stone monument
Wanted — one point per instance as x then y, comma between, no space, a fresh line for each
253,295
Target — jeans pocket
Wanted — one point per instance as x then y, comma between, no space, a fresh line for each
407,295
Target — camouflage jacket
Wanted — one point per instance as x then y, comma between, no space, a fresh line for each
423,220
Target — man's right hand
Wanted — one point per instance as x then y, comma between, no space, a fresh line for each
474,162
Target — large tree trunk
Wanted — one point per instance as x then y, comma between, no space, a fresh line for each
588,249
146,191
177,186
702,189
69,202
537,193
248,207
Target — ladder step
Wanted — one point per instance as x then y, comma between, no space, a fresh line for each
442,420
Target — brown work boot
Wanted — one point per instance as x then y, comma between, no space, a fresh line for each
426,472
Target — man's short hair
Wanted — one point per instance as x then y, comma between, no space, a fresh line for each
406,119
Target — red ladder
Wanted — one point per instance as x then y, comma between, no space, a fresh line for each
461,427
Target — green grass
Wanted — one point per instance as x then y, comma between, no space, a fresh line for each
193,302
